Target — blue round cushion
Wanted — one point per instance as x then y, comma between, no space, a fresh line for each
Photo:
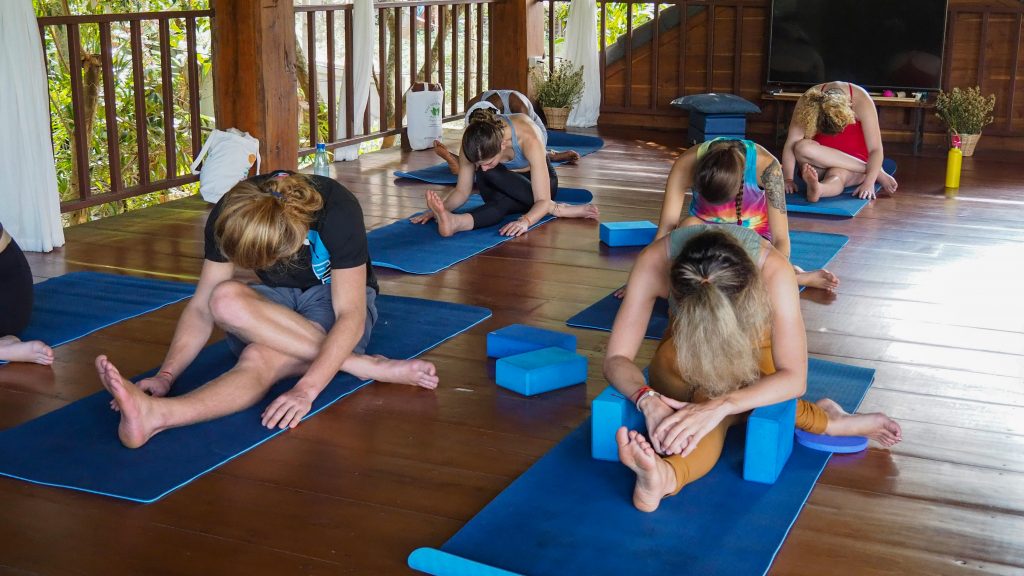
714,103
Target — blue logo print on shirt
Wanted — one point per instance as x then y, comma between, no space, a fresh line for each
319,257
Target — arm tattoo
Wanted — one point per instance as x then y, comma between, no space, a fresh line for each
774,186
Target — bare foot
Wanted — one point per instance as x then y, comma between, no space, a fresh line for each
818,279
575,210
888,183
655,478
14,350
445,225
412,372
446,155
568,157
135,428
810,176
876,426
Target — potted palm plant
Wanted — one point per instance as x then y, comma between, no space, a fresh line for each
965,112
558,91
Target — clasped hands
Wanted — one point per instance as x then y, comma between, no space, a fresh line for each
676,427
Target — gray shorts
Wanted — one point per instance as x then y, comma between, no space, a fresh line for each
312,304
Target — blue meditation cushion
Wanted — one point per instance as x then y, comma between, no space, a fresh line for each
518,338
639,233
836,444
727,123
610,411
769,441
541,371
715,103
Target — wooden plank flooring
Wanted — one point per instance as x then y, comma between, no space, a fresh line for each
930,298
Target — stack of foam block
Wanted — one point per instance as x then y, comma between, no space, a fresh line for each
534,360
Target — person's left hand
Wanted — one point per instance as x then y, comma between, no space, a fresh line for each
287,410
866,190
514,228
681,432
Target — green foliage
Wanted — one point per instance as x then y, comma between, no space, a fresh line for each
965,111
562,87
61,106
616,14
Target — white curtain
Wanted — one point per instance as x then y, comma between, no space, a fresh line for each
29,205
363,41
581,50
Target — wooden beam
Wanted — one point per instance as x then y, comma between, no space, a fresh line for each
519,36
255,88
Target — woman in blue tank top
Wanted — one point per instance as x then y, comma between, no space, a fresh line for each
16,306
505,155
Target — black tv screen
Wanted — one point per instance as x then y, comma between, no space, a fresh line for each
874,43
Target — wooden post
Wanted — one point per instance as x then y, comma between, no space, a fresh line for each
254,81
517,33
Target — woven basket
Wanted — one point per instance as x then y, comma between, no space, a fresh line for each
556,117
967,143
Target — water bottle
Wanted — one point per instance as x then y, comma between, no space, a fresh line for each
321,165
954,161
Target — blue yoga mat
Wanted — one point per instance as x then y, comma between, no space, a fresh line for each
559,141
80,303
571,514
809,250
76,446
844,204
419,249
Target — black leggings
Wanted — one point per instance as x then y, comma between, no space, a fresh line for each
15,290
506,192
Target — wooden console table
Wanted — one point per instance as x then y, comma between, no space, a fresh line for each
880,101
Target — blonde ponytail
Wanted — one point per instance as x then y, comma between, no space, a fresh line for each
264,224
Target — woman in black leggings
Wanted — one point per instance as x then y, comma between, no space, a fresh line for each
16,305
506,155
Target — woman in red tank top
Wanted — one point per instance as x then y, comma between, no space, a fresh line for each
835,140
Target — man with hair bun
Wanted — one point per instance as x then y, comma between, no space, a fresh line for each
835,139
311,316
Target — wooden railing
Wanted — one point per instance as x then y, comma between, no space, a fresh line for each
100,76
455,36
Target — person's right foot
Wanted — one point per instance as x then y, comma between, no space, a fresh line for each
818,279
655,478
445,225
569,156
134,430
810,176
445,154
888,183
412,372
14,350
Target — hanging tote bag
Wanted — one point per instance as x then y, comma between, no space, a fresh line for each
423,114
227,157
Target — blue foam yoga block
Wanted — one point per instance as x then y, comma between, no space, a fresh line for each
769,441
541,371
731,123
610,411
639,233
697,135
519,338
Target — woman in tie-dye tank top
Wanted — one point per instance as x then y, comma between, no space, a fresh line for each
735,182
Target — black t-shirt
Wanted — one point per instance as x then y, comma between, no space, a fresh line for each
337,239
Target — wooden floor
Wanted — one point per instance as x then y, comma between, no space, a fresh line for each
930,297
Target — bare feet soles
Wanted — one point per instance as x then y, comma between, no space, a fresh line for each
575,211
14,350
569,156
655,478
810,175
876,426
135,428
412,372
818,279
446,155
445,224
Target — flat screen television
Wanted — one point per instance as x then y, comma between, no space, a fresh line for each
879,44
